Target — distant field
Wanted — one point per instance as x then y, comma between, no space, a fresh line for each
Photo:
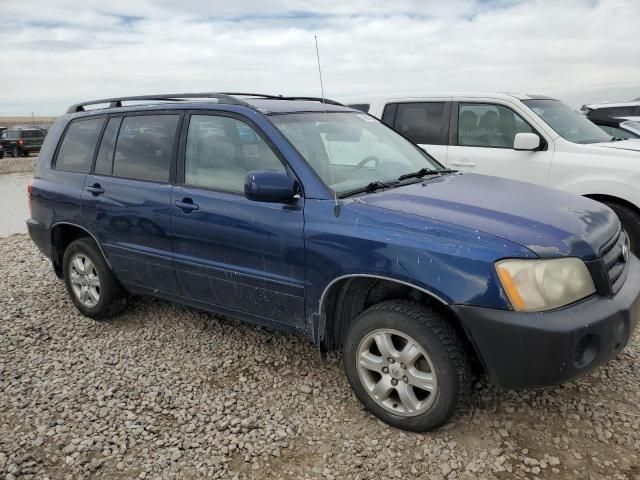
13,121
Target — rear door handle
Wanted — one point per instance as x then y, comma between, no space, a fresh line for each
187,205
462,163
95,189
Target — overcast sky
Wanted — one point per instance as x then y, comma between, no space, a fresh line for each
57,52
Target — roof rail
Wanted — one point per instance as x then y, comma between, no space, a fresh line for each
282,97
175,97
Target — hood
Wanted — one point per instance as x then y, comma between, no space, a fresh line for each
547,221
633,145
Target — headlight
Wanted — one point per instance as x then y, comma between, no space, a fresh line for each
537,285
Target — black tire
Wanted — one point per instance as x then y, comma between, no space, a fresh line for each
630,220
25,153
113,298
16,152
436,336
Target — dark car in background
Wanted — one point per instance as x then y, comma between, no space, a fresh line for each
624,128
20,142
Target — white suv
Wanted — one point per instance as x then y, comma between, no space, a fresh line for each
532,138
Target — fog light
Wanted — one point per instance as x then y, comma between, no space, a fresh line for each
585,351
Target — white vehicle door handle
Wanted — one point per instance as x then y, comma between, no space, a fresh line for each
460,163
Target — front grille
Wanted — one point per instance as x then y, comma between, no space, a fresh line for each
615,256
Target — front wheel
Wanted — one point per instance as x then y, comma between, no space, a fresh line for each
406,365
93,288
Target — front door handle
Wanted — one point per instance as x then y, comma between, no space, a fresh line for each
95,189
187,205
462,163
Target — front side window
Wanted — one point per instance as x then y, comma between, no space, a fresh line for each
489,125
222,150
145,147
567,123
423,122
78,145
350,150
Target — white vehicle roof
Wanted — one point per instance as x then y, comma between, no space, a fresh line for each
406,96
595,106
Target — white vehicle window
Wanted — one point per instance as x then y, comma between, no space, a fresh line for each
425,123
567,123
488,125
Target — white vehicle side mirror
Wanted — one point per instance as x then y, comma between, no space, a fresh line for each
526,141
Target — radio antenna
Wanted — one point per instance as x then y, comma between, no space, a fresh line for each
333,177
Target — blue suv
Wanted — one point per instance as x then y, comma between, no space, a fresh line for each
317,219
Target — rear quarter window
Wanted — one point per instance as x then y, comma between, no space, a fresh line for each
78,145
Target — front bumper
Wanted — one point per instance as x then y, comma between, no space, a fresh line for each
524,350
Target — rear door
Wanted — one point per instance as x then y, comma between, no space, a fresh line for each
230,252
482,142
424,122
126,200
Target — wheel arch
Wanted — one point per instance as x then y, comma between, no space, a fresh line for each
345,297
604,198
62,234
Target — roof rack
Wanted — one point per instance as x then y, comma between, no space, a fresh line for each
224,97
175,97
282,97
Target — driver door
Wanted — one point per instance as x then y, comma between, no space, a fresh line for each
231,252
483,143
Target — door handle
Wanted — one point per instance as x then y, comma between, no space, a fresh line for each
95,189
462,163
187,205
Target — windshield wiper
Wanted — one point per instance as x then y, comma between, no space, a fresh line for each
424,172
369,188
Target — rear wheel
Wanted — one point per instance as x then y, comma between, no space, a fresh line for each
630,220
406,364
93,288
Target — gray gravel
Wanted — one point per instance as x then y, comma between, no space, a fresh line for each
18,165
168,392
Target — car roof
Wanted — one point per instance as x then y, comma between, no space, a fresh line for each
295,106
596,106
444,95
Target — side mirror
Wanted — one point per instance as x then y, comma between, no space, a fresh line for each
269,186
526,141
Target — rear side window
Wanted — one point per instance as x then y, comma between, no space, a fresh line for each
363,107
423,122
78,145
145,147
104,161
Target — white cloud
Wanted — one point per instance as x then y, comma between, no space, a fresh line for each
57,53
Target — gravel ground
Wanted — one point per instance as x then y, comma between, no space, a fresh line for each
9,164
169,392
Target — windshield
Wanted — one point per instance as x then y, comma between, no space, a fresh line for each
358,148
633,126
568,124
